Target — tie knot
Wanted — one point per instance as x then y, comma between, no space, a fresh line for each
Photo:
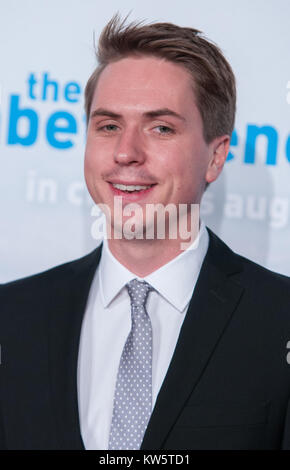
138,291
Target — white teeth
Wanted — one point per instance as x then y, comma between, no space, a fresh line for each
123,187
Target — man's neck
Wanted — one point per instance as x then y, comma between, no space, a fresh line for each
144,256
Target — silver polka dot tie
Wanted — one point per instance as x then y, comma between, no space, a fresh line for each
133,393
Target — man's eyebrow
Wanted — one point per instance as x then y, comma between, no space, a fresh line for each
163,112
104,112
148,114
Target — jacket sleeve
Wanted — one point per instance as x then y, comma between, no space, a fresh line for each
2,438
286,434
2,435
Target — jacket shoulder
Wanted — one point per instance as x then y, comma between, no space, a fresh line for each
264,290
33,297
224,256
256,269
53,274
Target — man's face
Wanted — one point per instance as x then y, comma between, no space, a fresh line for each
145,129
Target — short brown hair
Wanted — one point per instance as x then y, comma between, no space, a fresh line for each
213,78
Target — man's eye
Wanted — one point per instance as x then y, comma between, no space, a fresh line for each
164,130
108,128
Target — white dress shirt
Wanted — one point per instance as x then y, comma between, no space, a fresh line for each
107,323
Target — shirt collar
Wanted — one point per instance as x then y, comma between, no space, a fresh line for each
185,268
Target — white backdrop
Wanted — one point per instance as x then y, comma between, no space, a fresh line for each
46,52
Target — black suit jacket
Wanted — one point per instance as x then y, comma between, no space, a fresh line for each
228,383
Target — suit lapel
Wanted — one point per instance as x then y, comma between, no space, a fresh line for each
70,293
215,297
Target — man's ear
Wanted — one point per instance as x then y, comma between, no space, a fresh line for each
219,149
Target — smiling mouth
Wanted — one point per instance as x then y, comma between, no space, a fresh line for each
132,191
131,188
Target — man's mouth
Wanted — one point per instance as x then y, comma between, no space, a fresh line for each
131,188
132,191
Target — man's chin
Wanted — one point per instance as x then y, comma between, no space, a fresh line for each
129,230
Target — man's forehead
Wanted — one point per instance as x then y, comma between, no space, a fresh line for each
143,79
143,72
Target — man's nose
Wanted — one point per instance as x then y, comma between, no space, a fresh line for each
129,147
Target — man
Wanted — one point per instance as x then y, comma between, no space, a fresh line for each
144,344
